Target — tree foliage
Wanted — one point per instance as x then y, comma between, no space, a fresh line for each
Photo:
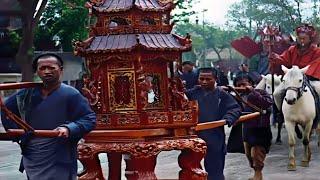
248,15
68,20
206,38
183,10
63,20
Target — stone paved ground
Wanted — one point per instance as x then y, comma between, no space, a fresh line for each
167,166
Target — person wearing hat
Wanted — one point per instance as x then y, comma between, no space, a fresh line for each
214,104
304,53
257,134
52,106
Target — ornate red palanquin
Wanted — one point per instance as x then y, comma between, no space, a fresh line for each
141,110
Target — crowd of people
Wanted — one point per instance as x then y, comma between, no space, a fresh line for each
215,103
68,112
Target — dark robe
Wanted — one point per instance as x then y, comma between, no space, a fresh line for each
214,105
257,132
51,158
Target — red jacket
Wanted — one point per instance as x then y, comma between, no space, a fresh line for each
293,56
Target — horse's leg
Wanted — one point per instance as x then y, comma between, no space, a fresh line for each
279,119
298,132
278,141
306,139
318,133
292,141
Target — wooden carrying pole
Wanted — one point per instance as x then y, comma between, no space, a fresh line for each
11,133
20,85
215,124
111,133
15,118
22,124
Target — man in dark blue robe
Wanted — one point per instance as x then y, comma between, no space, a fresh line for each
54,106
214,104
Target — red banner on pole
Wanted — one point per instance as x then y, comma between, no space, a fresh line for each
246,46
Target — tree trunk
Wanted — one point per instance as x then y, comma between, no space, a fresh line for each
218,53
230,54
25,52
30,17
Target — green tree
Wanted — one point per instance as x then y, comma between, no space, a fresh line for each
66,20
183,10
197,40
206,38
248,15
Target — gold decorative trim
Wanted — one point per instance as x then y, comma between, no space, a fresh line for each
158,118
182,116
114,93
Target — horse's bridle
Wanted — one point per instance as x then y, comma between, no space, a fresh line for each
299,90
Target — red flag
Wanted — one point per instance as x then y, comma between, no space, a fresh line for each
246,46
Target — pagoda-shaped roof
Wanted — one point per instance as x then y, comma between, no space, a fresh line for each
128,42
125,5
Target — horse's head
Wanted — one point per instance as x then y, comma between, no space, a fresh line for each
266,82
268,78
294,82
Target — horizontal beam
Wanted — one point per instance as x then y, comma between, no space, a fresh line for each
11,133
215,124
20,85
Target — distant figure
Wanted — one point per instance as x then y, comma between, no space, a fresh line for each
244,68
189,74
223,79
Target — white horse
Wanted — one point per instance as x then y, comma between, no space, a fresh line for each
266,84
298,107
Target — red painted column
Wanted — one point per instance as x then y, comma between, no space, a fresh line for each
140,167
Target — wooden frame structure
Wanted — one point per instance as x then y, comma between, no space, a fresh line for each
140,107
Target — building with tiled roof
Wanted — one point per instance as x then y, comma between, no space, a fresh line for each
131,56
129,43
129,25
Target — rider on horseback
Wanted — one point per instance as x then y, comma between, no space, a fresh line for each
304,53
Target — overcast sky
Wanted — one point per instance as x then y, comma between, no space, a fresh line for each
217,10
